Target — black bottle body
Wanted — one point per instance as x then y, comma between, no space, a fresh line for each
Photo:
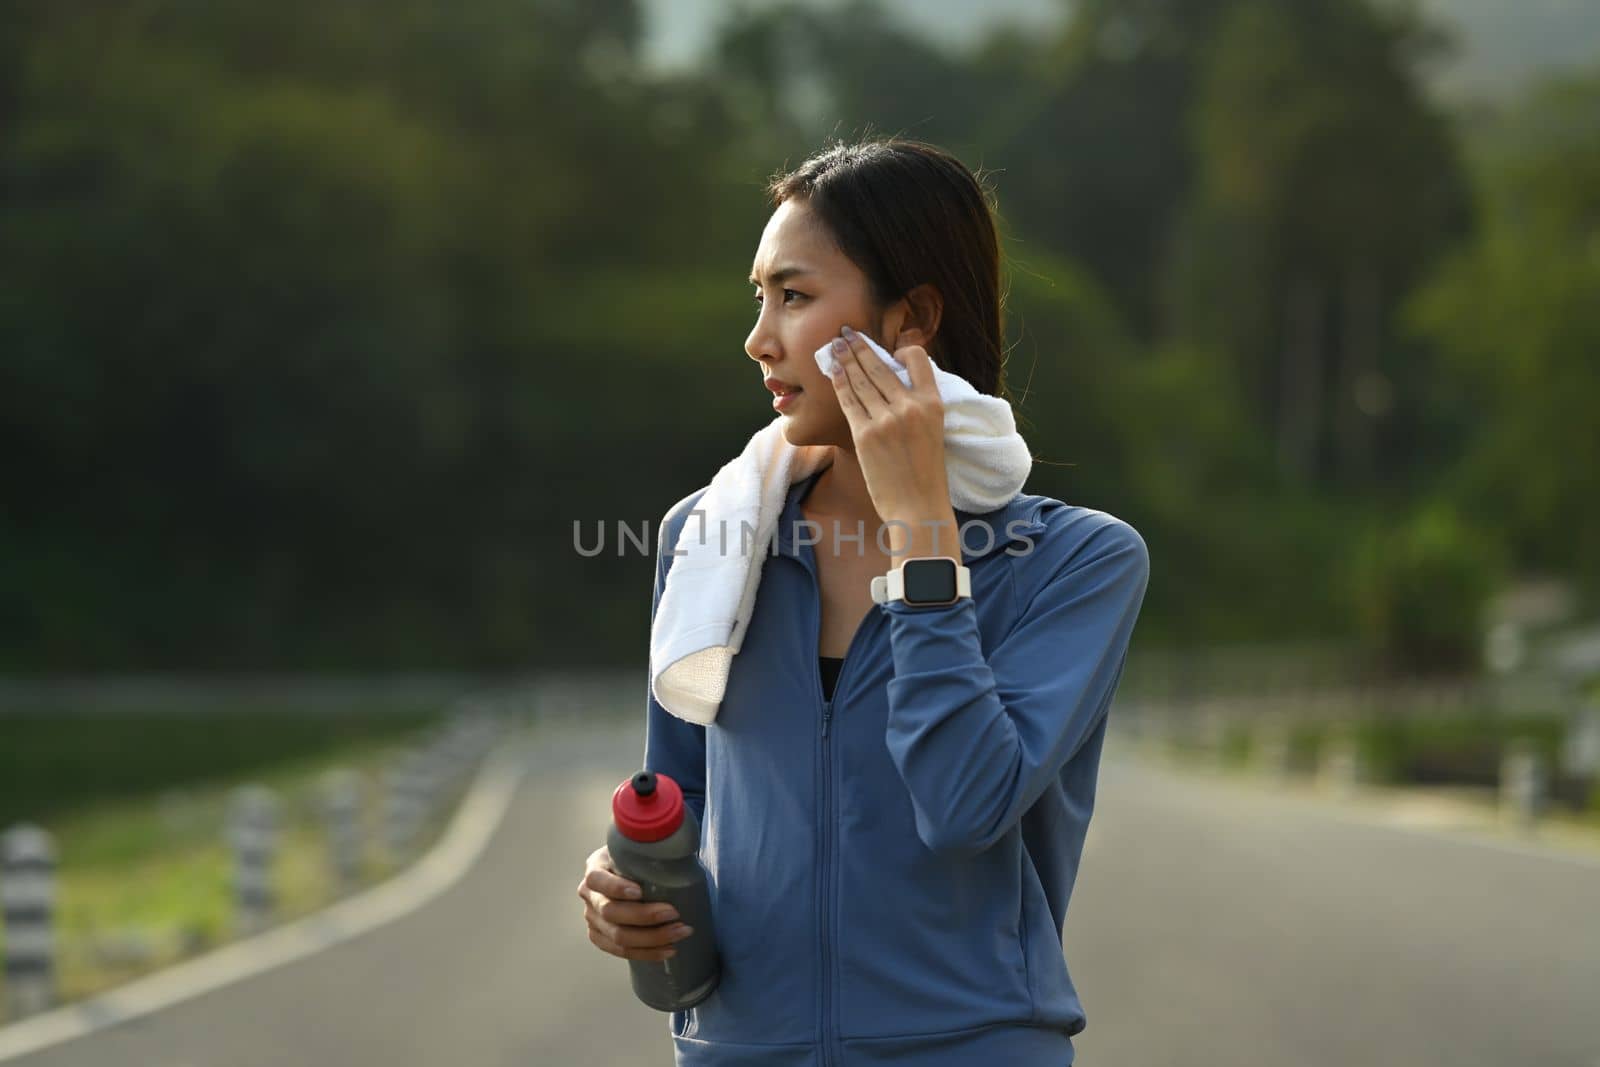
669,871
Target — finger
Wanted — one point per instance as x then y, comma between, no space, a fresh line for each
845,391
657,936
920,366
604,943
877,393
612,884
869,403
627,913
877,371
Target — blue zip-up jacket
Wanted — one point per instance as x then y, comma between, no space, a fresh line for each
890,869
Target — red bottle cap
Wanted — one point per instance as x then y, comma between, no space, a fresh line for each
647,807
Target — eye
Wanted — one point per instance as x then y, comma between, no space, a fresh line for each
786,292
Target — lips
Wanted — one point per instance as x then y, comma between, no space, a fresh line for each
784,395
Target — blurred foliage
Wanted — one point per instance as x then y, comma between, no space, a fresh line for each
1399,746
1237,746
53,764
1457,749
320,330
1420,588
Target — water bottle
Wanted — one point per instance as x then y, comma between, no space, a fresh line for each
655,841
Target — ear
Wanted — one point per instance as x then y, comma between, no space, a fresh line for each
923,307
911,336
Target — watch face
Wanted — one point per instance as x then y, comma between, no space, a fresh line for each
929,581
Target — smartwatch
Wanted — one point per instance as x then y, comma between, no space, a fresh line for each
924,582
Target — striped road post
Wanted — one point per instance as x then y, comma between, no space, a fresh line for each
1272,751
1522,784
1580,749
341,809
463,742
27,905
405,798
1340,766
253,832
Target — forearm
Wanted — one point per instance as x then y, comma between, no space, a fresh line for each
922,531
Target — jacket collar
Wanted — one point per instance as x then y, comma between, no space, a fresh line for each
1015,521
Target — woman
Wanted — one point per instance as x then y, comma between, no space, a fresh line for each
893,797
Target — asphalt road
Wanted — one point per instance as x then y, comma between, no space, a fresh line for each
1211,925
1216,923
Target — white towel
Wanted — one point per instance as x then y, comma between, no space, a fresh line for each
710,591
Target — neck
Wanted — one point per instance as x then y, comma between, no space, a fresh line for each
840,491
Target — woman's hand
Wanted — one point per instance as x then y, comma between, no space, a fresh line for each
899,439
632,929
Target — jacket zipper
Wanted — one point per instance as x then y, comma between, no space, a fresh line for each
824,898
825,901
824,867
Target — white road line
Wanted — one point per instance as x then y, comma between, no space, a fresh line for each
473,823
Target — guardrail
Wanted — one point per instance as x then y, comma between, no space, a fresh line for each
413,789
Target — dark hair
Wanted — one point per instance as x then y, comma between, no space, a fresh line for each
908,212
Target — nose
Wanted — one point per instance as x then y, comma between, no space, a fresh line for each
758,344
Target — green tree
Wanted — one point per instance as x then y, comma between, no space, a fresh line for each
1515,314
1326,185
1094,141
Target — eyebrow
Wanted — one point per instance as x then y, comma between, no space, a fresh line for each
781,275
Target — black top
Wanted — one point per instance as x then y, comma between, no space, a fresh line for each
830,673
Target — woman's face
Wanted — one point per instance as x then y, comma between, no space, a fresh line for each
798,313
